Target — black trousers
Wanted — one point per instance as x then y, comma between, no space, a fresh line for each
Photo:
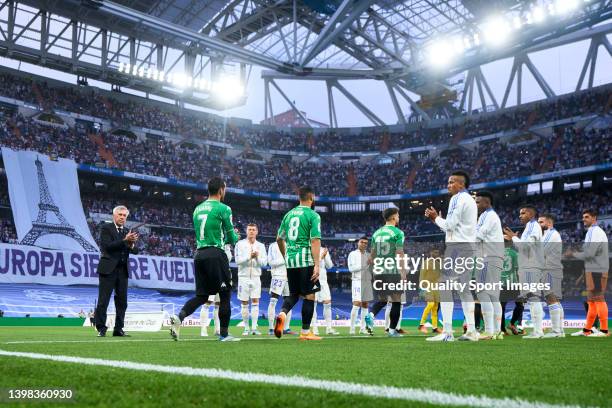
117,281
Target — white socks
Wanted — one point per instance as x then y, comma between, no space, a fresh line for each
537,313
447,316
354,312
497,315
254,315
399,321
364,313
204,317
556,311
244,309
488,317
272,312
327,315
468,311
387,315
314,322
288,321
216,319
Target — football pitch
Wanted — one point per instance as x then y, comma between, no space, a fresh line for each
151,369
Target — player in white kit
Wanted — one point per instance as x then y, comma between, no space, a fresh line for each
250,257
553,273
531,264
490,246
278,287
324,295
358,266
459,227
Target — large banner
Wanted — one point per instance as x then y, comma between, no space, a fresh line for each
46,201
27,264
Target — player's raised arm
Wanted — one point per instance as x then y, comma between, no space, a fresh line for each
262,256
242,253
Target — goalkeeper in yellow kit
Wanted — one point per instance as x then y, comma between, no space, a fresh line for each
430,272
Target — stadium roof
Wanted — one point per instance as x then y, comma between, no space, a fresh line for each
395,41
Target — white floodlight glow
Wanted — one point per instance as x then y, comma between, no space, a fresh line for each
178,80
566,6
517,22
458,45
476,39
440,53
496,31
160,76
141,72
538,14
149,73
169,77
126,69
120,69
134,70
228,89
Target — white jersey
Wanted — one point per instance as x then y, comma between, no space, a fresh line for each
595,250
489,235
357,263
552,249
529,246
250,267
276,262
461,220
325,264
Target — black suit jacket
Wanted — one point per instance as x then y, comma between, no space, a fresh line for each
114,250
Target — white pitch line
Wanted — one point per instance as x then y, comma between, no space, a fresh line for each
377,391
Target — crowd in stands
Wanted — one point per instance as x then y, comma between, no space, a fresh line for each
192,124
489,161
568,147
170,225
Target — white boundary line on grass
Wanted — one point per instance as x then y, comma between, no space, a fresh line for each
377,391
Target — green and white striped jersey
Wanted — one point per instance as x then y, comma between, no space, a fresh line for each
298,227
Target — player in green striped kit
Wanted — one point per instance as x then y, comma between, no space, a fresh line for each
299,241
510,274
387,243
212,221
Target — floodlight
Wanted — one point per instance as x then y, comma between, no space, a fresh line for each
496,31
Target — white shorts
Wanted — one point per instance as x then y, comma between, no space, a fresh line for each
279,286
554,277
324,294
249,289
530,276
491,273
359,293
214,298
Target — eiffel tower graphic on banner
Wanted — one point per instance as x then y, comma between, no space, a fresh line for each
46,205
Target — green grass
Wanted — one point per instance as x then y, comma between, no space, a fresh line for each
561,371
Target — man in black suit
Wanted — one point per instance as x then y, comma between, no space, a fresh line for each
116,244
